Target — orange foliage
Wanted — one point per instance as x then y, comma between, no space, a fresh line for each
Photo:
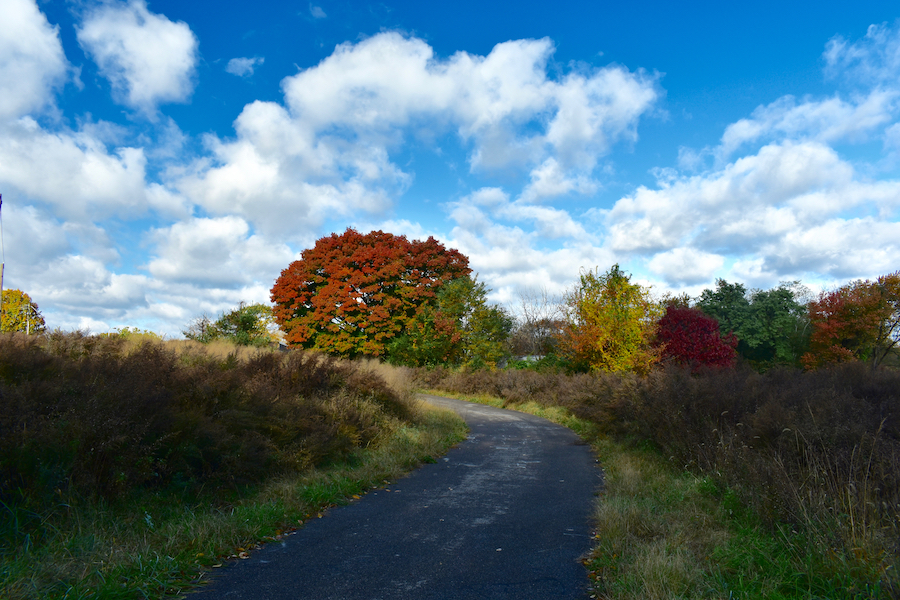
352,294
860,320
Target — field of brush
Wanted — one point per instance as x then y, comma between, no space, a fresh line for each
730,483
127,466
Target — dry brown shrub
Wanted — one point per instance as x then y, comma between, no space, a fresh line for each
818,448
99,416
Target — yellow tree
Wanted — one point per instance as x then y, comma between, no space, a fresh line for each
611,323
20,313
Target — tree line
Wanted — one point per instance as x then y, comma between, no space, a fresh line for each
418,303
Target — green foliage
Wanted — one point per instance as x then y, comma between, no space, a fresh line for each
134,333
611,323
246,325
459,328
21,313
771,325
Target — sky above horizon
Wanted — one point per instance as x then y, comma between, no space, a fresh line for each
162,160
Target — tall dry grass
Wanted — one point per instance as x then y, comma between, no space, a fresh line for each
817,452
98,417
127,464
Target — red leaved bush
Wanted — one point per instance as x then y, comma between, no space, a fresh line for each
692,338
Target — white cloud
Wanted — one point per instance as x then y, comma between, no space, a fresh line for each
549,180
326,153
147,58
217,253
840,248
686,265
244,67
85,181
388,81
829,120
32,62
786,211
871,61
316,12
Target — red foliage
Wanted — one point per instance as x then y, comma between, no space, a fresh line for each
351,294
860,320
692,338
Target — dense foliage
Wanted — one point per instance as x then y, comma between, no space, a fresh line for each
460,328
689,337
770,325
611,324
858,321
20,313
97,417
354,294
246,325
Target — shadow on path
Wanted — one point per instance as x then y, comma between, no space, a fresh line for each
505,514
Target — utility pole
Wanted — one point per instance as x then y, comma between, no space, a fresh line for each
2,261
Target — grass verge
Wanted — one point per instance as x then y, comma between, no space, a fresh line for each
665,533
154,544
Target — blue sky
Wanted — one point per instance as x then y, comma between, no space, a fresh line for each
161,159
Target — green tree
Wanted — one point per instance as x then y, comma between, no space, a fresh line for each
728,304
611,324
136,333
21,313
771,325
460,327
246,325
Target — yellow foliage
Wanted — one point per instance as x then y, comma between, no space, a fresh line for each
611,323
20,313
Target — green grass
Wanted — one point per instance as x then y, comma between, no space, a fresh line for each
149,545
665,533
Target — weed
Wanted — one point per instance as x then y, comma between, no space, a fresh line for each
768,475
127,468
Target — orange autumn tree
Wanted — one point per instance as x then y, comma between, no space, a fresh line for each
611,324
352,294
858,321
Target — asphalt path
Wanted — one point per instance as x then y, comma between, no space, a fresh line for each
504,514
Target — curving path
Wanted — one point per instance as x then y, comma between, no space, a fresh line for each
505,514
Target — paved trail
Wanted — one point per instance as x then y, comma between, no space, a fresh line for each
506,514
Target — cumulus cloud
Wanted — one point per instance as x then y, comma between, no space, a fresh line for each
390,80
218,253
549,180
244,67
686,265
86,182
148,59
32,62
327,151
789,205
316,12
830,120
